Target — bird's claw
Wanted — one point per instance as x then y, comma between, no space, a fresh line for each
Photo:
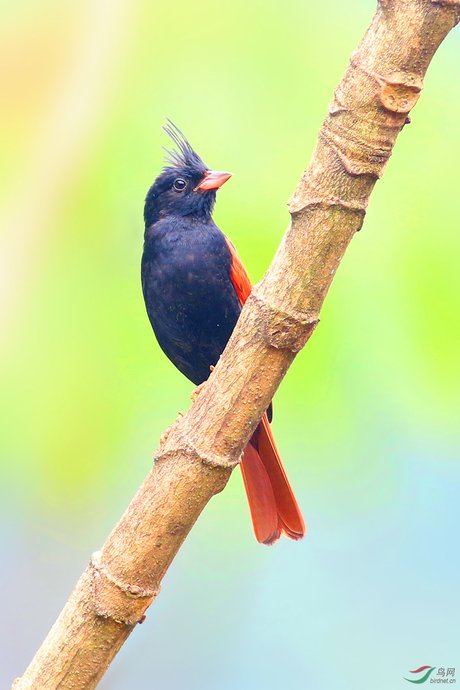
194,394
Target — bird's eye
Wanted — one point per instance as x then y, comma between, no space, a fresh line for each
179,184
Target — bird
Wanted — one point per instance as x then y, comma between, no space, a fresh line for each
194,286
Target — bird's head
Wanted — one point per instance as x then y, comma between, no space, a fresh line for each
185,186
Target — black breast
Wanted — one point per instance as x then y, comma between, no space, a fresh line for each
190,300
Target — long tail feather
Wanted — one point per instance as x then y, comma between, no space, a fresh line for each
262,503
273,506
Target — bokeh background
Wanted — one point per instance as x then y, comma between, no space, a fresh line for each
367,419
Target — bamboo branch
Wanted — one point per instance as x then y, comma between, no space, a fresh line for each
380,86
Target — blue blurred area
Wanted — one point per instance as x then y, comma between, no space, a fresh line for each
367,418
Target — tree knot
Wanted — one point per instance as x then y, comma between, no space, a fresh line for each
358,155
113,598
399,91
280,329
184,446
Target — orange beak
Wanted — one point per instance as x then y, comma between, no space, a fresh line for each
213,179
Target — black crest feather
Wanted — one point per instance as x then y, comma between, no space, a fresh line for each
185,155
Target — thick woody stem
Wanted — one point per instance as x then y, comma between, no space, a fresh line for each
370,107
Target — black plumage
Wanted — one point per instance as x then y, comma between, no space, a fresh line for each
186,265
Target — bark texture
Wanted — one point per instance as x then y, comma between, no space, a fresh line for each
370,107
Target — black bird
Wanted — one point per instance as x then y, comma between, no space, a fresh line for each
194,286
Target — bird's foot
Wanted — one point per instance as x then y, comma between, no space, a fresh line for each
194,394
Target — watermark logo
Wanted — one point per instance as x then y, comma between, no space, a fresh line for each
424,673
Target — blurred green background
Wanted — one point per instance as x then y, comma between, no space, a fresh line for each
367,418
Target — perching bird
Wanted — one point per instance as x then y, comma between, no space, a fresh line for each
194,286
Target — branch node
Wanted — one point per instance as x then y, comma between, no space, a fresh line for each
295,208
112,598
336,106
358,156
184,447
309,196
280,329
399,91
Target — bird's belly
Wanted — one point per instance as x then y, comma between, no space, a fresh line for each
193,309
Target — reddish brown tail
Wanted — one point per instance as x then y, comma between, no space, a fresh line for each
274,509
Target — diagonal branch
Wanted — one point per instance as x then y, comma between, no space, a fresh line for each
380,86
